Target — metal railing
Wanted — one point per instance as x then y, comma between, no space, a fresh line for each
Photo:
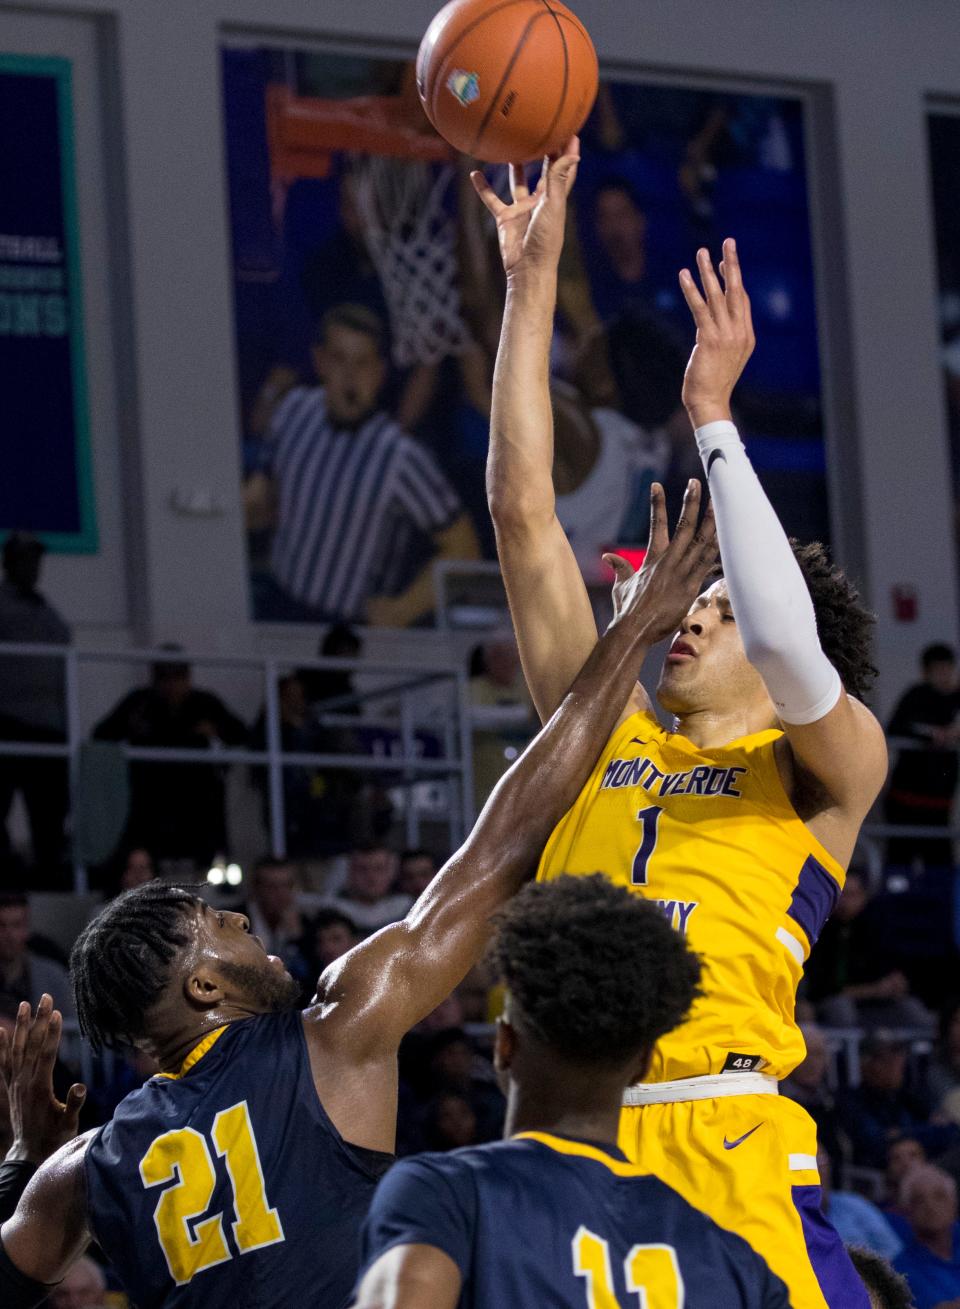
402,682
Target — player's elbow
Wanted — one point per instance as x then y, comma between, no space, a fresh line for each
517,511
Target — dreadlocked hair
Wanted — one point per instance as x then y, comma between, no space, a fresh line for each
120,962
596,974
844,624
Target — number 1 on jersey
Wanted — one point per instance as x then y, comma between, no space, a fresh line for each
650,819
651,1272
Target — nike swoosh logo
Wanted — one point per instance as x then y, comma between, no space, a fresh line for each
639,740
732,1145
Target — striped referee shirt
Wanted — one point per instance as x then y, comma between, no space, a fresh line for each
350,503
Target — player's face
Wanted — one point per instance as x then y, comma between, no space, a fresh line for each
706,668
236,961
351,368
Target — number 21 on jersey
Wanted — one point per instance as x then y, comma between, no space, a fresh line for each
651,1272
183,1157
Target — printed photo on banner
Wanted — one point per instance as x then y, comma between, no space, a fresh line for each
369,294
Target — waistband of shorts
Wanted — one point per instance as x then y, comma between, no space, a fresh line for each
700,1088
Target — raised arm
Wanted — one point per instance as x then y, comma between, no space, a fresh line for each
831,735
371,997
551,610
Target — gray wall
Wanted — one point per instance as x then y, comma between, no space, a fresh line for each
157,273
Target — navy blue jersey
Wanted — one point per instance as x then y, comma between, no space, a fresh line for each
227,1185
543,1220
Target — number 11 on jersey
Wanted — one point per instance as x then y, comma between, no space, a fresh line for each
650,820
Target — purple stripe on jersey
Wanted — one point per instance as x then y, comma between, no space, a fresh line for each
814,898
838,1279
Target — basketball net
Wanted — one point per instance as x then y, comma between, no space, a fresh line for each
412,241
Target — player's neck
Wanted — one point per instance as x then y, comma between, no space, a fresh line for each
710,729
543,1108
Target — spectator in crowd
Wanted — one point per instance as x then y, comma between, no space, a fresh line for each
851,977
502,711
857,1221
474,995
450,1123
807,1085
321,685
367,896
885,1287
271,908
930,1261
298,735
25,975
333,935
944,1070
417,870
177,810
138,869
358,502
882,1107
32,709
84,1287
621,280
924,780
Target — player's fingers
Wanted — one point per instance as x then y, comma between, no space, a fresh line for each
687,522
659,537
695,301
47,1052
74,1103
20,1030
622,567
487,194
519,187
711,283
38,1032
4,1059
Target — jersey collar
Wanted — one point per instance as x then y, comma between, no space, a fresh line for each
196,1054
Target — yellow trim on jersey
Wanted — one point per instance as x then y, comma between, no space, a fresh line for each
196,1054
583,1151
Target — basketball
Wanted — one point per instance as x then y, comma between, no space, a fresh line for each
509,81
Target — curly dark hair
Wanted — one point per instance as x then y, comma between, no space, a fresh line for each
120,962
596,974
886,1288
844,623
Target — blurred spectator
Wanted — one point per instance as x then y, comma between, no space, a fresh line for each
271,907
84,1287
298,735
356,498
503,718
176,810
882,1107
23,974
851,977
449,1123
138,869
32,709
452,1065
857,1221
931,1259
924,780
944,1070
333,935
417,870
807,1085
367,897
474,995
448,1013
320,685
620,280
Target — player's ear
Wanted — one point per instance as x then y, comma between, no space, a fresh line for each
203,988
504,1045
642,1066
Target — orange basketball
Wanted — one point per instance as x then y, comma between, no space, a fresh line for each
507,80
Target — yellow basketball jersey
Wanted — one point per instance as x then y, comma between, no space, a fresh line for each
712,838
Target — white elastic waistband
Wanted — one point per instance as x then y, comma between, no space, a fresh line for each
701,1088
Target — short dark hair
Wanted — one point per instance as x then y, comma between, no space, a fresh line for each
938,653
120,962
357,318
886,1288
269,861
597,974
14,900
334,918
338,639
844,623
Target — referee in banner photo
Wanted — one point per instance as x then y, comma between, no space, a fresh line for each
354,501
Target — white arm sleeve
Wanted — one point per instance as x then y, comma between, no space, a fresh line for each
767,590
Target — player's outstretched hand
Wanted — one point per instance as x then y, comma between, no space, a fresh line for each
530,229
725,338
40,1123
660,593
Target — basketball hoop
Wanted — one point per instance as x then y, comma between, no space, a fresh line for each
412,241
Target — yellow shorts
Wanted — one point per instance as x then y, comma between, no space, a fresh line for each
749,1163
